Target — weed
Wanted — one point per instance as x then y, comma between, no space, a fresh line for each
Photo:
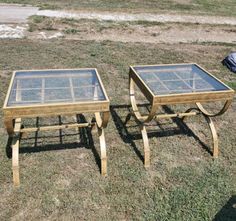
71,31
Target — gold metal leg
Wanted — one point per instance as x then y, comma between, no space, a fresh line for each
103,151
15,152
146,146
205,112
9,126
208,116
136,112
15,160
214,136
101,121
141,120
213,131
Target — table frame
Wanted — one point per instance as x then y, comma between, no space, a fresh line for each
15,129
185,98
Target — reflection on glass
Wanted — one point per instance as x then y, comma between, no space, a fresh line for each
176,79
55,86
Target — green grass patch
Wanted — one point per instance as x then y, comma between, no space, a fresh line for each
37,18
231,84
62,180
41,23
71,31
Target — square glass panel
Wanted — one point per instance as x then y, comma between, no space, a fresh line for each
57,95
55,86
178,79
86,92
157,86
57,83
177,86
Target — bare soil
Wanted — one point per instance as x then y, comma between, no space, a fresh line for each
131,32
159,34
172,28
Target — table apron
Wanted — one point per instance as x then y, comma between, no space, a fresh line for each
193,98
28,112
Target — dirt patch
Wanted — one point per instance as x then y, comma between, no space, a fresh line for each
160,35
173,33
131,31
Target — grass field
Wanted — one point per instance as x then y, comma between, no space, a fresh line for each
226,8
60,175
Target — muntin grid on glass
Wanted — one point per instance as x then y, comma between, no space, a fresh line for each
181,83
55,86
176,84
55,92
39,103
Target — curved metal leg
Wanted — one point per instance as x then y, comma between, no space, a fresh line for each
15,152
141,120
214,136
213,131
208,116
9,126
205,112
101,121
15,160
136,112
146,146
103,151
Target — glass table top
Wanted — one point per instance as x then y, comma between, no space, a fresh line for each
178,79
55,86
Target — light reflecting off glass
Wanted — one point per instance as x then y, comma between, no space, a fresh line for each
55,86
177,79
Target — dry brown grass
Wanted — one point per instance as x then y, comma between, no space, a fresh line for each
60,177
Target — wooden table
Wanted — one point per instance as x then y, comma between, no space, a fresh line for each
176,84
43,93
